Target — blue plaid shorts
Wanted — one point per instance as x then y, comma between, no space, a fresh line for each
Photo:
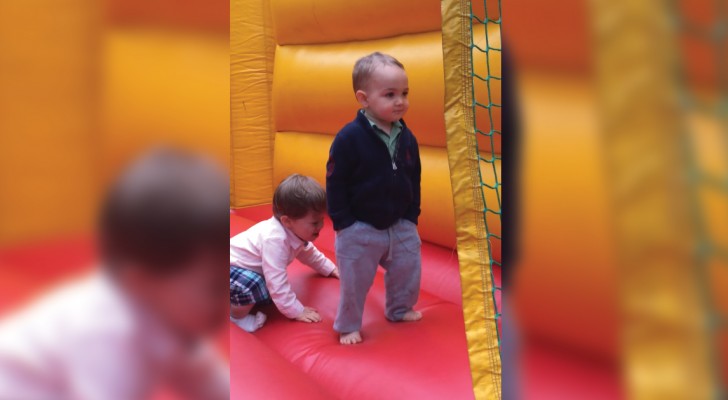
247,287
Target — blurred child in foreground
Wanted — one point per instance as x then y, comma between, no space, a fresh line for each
139,322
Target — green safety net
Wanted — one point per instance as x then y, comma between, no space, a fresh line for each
486,95
701,29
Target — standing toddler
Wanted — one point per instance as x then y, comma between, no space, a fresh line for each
373,193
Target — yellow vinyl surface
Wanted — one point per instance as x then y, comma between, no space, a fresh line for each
312,78
48,165
301,95
251,123
82,97
479,309
163,87
334,21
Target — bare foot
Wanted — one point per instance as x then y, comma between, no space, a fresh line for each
411,316
350,338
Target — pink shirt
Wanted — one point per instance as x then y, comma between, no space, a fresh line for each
90,340
268,248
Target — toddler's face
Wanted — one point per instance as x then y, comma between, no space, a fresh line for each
306,228
385,97
191,301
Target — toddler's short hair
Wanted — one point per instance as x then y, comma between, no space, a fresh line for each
298,195
365,66
165,209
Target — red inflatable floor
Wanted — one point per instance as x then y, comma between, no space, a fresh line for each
290,360
423,360
29,270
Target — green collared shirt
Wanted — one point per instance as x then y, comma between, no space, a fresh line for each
389,139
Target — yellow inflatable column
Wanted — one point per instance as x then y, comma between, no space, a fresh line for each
252,131
666,351
472,243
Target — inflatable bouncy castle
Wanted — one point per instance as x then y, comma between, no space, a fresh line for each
291,65
269,98
291,91
164,74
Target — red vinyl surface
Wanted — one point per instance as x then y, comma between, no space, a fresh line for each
396,360
424,360
292,360
28,270
261,373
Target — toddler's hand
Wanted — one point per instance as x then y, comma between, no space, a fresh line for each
309,315
334,273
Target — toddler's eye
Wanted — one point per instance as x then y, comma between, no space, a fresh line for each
390,95
405,94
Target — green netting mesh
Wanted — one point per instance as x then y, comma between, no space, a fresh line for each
702,31
486,75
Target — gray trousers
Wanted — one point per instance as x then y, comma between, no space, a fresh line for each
359,249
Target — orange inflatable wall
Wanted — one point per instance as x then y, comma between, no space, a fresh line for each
311,96
123,76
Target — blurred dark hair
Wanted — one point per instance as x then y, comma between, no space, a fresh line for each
166,208
297,195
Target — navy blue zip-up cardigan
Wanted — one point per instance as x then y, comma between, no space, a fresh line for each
364,183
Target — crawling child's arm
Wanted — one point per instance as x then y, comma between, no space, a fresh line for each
312,257
274,265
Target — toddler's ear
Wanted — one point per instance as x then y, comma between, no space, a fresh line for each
286,221
361,97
